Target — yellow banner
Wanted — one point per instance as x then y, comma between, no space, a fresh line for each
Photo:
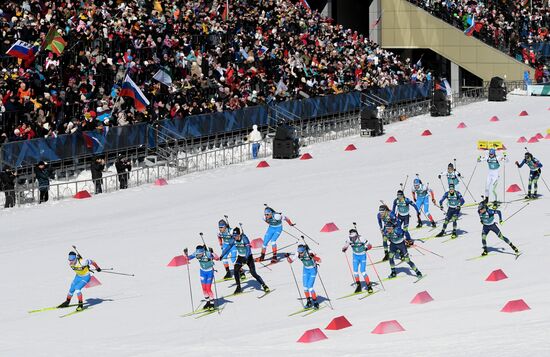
496,145
482,145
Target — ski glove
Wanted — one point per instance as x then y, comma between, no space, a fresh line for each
185,251
98,269
409,243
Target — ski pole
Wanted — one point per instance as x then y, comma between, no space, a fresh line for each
262,264
545,184
323,285
227,220
292,235
406,180
349,266
299,230
442,185
429,251
521,179
419,251
116,272
214,280
371,262
504,180
472,176
516,212
190,289
295,281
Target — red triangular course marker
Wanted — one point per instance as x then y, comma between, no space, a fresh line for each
496,275
461,126
539,136
391,139
426,133
329,227
522,139
515,306
494,118
547,136
306,156
178,260
350,147
93,282
257,243
422,298
262,164
313,335
82,194
533,140
388,327
161,182
513,188
523,113
338,323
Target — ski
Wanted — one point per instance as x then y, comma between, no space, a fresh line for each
419,278
396,277
199,311
370,294
481,256
313,310
433,237
222,280
265,293
450,239
210,312
352,294
518,254
300,311
50,308
241,293
76,312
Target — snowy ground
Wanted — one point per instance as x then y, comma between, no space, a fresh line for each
141,229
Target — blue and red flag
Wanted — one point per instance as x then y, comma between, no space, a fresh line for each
305,4
130,89
470,30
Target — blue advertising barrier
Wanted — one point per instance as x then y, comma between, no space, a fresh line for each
30,152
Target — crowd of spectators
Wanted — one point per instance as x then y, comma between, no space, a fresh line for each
512,26
218,58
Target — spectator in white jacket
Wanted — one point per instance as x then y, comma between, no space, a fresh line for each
255,137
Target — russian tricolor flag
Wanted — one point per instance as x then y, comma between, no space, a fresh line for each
21,49
305,4
130,89
470,30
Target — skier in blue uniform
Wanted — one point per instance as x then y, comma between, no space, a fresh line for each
244,256
309,260
81,267
420,195
534,173
275,222
398,243
401,209
487,218
359,249
206,261
224,238
454,202
385,216
453,176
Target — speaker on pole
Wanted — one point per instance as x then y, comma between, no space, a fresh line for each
371,125
286,144
441,106
497,90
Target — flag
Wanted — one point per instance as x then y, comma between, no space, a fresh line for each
447,87
22,50
281,87
225,13
244,53
419,62
305,4
130,89
375,23
438,86
262,50
470,30
54,42
163,77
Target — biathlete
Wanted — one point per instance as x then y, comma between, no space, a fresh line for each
420,193
401,209
81,267
359,250
454,202
309,260
534,173
487,218
206,261
275,222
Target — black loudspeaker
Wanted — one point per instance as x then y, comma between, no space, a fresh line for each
370,123
286,144
440,105
497,90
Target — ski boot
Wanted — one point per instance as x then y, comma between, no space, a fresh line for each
64,304
433,224
209,305
238,290
309,304
243,275
274,259
227,274
453,234
260,258
315,305
484,253
393,274
418,274
516,250
440,234
80,306
386,256
528,196
358,287
266,288
419,225
369,288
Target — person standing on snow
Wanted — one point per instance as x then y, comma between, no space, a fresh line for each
493,175
81,267
255,137
225,239
420,196
206,261
487,218
401,209
454,202
275,222
453,176
534,173
384,217
359,250
398,244
309,260
42,174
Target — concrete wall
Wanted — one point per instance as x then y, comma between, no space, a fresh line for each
407,26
